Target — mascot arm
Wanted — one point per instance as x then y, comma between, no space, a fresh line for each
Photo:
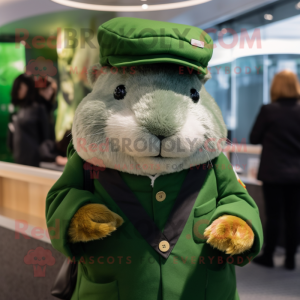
235,227
73,214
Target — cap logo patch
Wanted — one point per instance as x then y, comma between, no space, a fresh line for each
197,43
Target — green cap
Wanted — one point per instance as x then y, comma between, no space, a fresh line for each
131,41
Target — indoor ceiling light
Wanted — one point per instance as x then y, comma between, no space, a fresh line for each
129,8
298,5
268,17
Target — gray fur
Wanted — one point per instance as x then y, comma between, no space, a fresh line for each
157,103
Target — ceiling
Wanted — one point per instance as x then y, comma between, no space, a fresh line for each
47,24
127,2
43,17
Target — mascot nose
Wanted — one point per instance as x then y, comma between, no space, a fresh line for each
161,137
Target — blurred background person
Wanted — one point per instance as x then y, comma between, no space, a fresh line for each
22,95
50,150
277,129
46,96
29,123
33,137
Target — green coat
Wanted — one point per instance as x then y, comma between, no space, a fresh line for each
124,266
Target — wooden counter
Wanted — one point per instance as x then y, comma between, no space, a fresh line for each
243,148
23,192
248,150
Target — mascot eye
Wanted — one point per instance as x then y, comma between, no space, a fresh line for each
120,92
195,95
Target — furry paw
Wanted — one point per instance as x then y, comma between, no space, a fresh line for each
93,222
230,234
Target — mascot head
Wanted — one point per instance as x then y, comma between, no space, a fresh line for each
149,112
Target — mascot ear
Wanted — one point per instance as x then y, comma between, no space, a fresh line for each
205,78
93,73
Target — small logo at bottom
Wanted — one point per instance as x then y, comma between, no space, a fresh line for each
40,258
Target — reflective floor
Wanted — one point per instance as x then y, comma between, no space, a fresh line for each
259,283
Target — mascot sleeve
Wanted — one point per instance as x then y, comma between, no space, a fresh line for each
233,199
63,201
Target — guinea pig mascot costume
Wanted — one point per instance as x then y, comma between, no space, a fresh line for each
161,214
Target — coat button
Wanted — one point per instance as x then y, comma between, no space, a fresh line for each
161,196
164,246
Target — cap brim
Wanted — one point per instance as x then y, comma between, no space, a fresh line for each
127,61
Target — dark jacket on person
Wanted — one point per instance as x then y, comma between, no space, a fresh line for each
277,129
48,149
31,129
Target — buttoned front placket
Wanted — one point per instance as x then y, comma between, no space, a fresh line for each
165,192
